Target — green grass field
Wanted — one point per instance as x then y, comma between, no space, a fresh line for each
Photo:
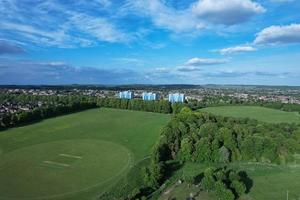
77,156
272,181
269,182
255,112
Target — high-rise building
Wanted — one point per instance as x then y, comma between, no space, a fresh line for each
150,96
126,95
176,98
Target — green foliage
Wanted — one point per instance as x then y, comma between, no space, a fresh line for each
160,106
186,110
202,137
205,138
226,184
53,106
238,187
186,148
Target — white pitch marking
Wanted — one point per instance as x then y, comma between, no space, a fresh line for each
70,156
56,163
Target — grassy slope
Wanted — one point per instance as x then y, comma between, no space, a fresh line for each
269,182
137,131
255,112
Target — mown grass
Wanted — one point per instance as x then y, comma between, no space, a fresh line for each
22,147
255,112
267,181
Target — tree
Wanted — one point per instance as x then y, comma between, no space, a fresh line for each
239,187
202,151
222,192
208,183
186,149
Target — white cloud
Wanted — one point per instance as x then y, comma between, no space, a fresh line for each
188,68
165,17
237,49
35,34
204,61
279,35
97,27
197,16
68,25
227,12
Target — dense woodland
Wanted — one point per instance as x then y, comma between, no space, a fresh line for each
205,138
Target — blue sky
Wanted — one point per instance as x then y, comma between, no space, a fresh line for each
150,42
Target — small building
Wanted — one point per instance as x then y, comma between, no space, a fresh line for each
177,98
126,95
150,96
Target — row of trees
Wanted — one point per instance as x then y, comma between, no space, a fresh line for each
205,138
226,100
60,106
56,105
161,106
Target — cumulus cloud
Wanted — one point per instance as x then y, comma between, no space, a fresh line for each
228,12
197,15
204,61
237,49
164,16
188,68
7,47
279,35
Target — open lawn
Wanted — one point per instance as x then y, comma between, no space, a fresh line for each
77,156
255,112
272,181
267,182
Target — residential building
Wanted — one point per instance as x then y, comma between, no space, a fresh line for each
126,95
150,96
176,98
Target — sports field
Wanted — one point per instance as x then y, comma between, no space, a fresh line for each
77,156
255,112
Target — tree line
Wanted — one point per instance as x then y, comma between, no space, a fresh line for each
226,100
53,106
161,106
56,105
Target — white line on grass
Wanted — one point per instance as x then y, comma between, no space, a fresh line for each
70,156
56,163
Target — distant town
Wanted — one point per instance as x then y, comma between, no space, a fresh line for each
172,93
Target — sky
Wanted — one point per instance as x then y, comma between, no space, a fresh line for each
52,42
